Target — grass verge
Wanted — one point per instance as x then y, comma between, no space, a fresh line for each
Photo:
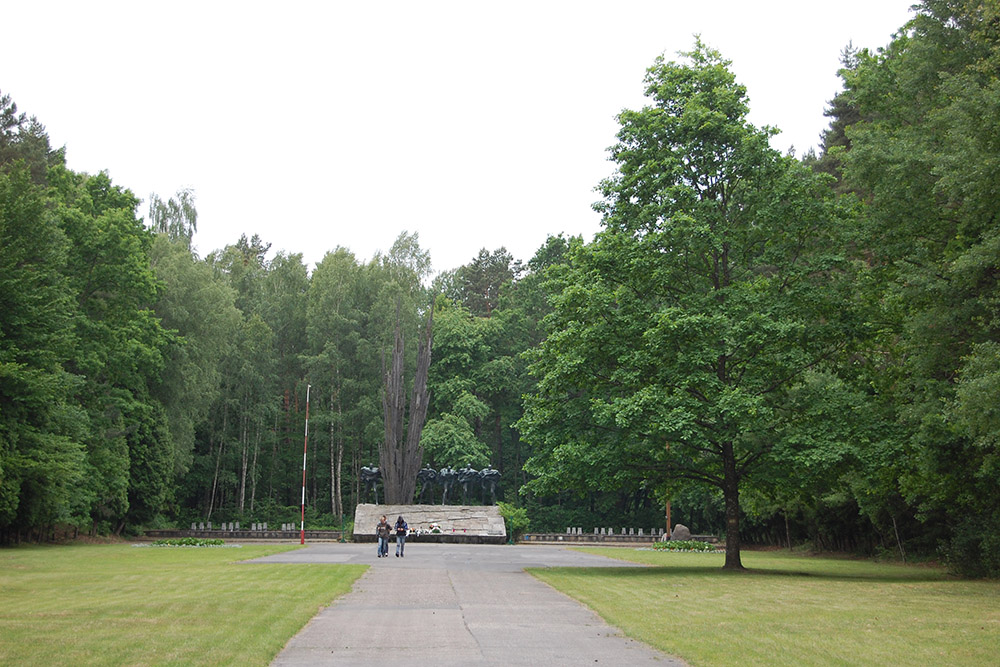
790,610
119,604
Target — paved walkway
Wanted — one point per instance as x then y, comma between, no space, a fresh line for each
450,604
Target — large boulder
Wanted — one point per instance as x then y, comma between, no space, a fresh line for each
681,532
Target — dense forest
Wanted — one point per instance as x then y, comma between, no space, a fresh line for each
782,349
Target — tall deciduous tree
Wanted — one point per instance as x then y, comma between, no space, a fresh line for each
41,427
714,287
121,347
336,313
177,217
923,150
456,410
198,306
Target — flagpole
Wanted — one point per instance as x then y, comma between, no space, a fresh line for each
305,447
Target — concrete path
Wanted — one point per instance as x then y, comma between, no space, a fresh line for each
450,604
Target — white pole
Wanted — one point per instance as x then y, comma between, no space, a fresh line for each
305,447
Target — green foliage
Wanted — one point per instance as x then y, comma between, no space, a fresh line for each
973,549
922,151
199,307
516,519
809,348
189,542
716,285
449,440
684,545
176,219
477,286
24,142
40,426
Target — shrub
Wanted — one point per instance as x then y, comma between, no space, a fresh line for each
974,549
683,545
516,519
189,542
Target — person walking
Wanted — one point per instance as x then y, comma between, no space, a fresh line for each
382,531
401,530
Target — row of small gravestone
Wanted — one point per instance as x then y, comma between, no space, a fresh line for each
236,526
656,532
224,526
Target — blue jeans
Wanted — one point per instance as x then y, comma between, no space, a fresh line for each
400,543
383,546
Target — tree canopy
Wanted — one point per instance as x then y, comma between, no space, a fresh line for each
717,284
780,349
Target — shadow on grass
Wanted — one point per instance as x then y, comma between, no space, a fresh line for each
660,572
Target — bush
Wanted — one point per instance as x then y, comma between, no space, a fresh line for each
189,542
516,519
974,549
683,545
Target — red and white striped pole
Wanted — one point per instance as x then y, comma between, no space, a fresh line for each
305,447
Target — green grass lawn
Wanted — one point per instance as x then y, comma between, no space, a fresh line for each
790,610
125,605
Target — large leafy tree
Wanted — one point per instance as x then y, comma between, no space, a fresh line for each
177,217
399,311
41,428
343,366
923,146
714,287
120,350
244,412
478,284
284,301
198,306
456,408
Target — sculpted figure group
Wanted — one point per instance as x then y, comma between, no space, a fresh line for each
467,478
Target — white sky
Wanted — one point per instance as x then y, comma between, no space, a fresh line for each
474,123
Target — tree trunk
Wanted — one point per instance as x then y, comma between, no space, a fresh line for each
338,480
400,458
731,496
393,407
244,456
499,432
356,457
518,464
336,448
899,542
253,468
274,450
788,532
218,465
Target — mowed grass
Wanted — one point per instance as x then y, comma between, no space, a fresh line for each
790,610
125,605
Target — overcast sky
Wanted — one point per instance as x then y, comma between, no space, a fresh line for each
476,124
